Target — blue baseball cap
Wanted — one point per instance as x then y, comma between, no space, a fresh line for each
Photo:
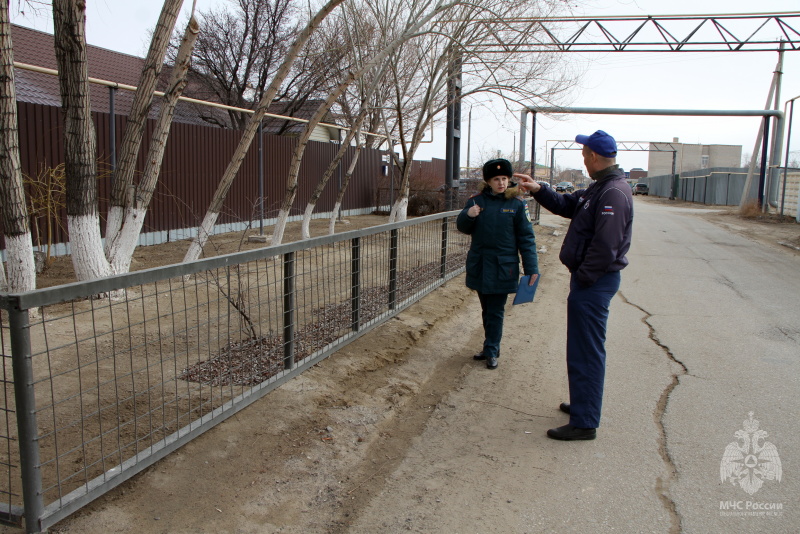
599,142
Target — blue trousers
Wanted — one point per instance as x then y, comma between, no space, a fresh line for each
493,307
587,318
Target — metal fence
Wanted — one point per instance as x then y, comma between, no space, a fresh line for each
195,159
723,187
104,378
717,186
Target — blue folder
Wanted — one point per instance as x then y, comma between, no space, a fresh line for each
525,292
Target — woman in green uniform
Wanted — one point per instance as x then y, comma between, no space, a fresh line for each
500,226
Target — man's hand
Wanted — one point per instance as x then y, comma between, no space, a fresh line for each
533,279
527,183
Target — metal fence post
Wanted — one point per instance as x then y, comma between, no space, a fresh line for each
727,189
355,283
393,269
443,266
27,427
288,310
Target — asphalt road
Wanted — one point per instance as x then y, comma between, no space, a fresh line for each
704,332
726,310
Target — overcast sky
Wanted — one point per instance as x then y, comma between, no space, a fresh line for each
731,80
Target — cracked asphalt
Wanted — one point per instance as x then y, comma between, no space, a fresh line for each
724,311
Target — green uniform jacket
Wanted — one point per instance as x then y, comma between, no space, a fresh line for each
500,235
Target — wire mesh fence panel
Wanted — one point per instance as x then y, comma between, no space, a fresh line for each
10,478
127,369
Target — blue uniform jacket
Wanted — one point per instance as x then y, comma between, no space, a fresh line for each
500,235
599,235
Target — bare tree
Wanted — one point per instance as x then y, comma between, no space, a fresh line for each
80,144
345,181
354,33
239,52
137,118
314,72
332,166
120,250
422,13
19,245
250,130
424,67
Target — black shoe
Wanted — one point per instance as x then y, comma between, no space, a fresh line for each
572,433
479,356
491,363
564,407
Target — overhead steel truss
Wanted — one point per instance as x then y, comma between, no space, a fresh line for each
630,146
739,32
747,32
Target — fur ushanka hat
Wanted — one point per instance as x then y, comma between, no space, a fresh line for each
497,167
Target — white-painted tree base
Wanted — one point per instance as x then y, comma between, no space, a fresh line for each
280,227
88,258
306,230
21,268
196,248
399,211
121,252
334,216
113,225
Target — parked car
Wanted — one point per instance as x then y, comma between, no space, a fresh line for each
641,189
565,187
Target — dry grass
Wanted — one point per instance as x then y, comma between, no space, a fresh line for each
750,210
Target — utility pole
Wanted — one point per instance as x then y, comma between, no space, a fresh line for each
469,138
453,142
523,119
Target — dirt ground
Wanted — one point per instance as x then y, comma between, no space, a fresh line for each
312,455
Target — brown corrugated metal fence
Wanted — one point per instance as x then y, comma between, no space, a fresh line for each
195,159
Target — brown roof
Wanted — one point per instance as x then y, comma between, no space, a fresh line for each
36,48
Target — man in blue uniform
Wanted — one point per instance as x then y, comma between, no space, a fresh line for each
593,250
501,231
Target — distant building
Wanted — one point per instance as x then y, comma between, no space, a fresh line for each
542,172
691,157
635,174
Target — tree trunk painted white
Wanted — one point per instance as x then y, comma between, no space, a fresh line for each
116,214
340,196
137,118
280,227
120,249
21,269
21,272
121,252
80,141
196,248
334,216
399,210
306,232
88,259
